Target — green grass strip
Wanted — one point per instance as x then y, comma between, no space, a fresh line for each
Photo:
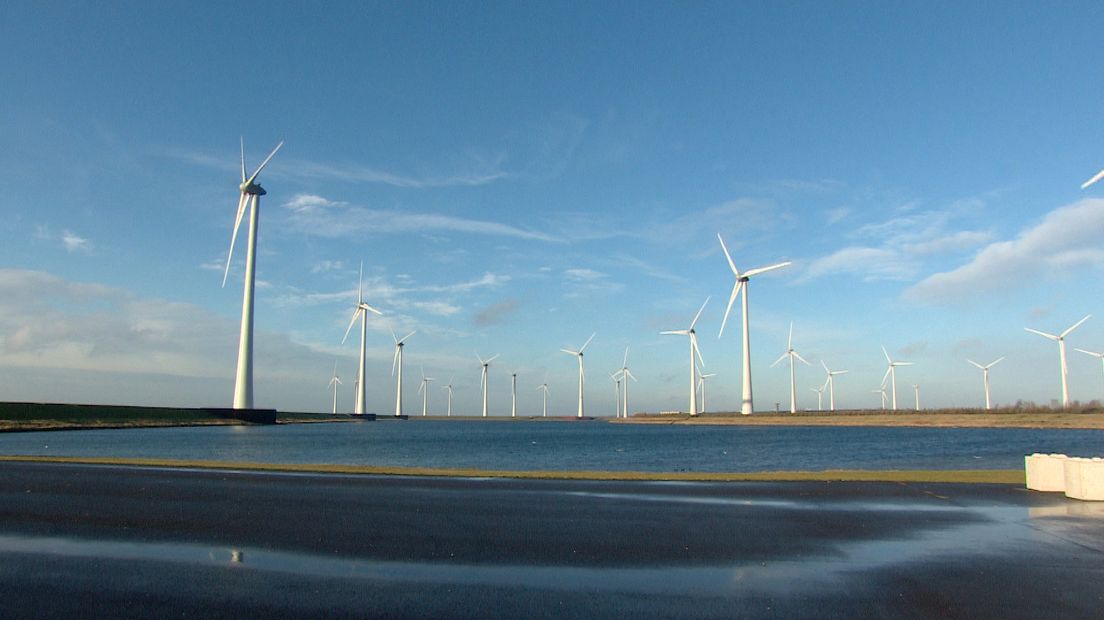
969,476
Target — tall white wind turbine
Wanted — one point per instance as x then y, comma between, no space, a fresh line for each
1099,356
582,380
746,406
626,374
361,311
334,382
251,193
701,387
513,395
985,376
424,389
891,373
832,384
881,391
1061,340
916,387
544,388
694,353
397,362
820,395
616,378
483,380
791,353
449,388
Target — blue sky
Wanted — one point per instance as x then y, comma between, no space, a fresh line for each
516,176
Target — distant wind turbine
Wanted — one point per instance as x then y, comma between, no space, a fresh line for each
424,389
832,384
483,381
746,406
916,388
397,362
251,193
544,387
334,382
1061,340
791,353
626,374
513,395
891,373
449,388
694,353
1099,356
881,391
701,386
985,376
582,381
820,395
361,311
616,377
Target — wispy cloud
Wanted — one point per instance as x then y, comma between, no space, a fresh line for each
1067,238
315,215
496,313
75,243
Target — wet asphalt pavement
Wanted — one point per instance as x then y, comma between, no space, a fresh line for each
97,540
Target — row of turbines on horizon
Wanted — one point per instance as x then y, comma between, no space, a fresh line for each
251,191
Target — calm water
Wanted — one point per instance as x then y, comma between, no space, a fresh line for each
572,445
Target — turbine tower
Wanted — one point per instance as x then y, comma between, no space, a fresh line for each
334,382
362,310
791,353
396,361
831,385
694,352
1099,356
616,377
544,388
881,391
916,388
424,389
701,385
582,380
626,374
820,395
985,376
449,388
1061,340
251,193
746,406
891,373
513,395
483,380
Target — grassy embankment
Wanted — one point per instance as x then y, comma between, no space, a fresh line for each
980,476
57,416
1078,418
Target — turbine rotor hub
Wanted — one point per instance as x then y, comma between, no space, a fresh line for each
252,189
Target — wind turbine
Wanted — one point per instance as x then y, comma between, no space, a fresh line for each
483,380
1061,340
449,388
582,380
513,395
746,406
544,387
616,377
334,382
881,391
626,374
832,384
1100,356
916,388
251,193
396,361
424,389
791,353
820,395
693,352
362,310
891,373
985,376
701,385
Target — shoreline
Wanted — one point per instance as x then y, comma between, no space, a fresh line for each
934,419
976,476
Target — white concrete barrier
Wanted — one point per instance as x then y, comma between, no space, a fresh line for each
1045,472
1085,479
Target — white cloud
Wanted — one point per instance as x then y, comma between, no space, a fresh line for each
1067,238
583,274
866,262
74,243
837,215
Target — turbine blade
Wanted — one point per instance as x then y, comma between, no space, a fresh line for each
903,363
393,336
999,360
698,315
370,309
1043,334
394,361
784,355
1099,175
570,351
885,377
731,265
360,285
798,356
677,332
628,373
840,372
587,342
265,162
625,362
493,358
1074,326
731,299
694,344
1092,353
234,235
825,367
888,359
755,272
976,364
242,157
403,339
351,323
